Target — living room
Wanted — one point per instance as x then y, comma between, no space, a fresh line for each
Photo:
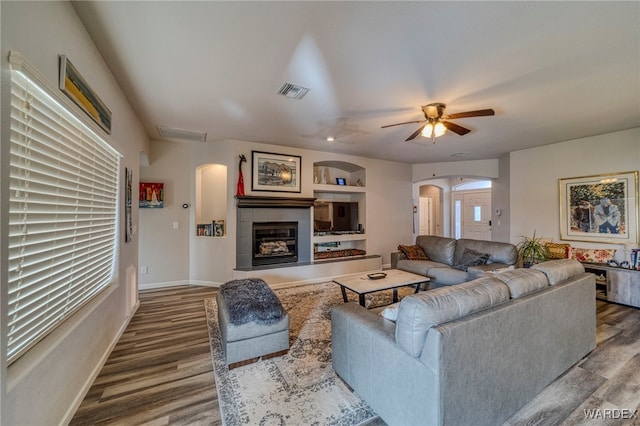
54,375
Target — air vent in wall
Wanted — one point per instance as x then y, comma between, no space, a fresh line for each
293,91
189,135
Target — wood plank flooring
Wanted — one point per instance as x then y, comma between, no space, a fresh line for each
160,371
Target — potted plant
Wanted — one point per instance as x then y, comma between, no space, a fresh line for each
532,250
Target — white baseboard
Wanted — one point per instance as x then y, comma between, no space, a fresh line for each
153,286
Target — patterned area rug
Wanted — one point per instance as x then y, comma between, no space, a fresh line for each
300,387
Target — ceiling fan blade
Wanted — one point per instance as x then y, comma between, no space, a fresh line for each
406,122
415,134
478,113
455,128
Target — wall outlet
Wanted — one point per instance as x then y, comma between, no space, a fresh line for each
144,270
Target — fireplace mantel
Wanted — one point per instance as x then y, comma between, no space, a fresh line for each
252,201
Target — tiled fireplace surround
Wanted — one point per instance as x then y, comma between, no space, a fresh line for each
246,215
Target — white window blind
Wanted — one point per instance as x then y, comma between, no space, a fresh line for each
62,214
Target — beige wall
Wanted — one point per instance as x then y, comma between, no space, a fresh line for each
534,175
46,385
210,261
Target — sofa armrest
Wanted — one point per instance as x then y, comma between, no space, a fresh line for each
396,256
365,355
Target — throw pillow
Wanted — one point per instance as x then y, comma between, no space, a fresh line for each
391,312
471,258
414,252
558,250
591,255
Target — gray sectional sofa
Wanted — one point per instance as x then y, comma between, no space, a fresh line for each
470,354
445,254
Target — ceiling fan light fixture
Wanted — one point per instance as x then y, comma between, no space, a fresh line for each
434,130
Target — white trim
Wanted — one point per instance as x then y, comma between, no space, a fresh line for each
166,284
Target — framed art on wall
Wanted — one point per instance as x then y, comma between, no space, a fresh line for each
151,195
275,172
600,208
128,196
76,88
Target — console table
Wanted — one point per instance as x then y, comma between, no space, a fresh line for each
619,285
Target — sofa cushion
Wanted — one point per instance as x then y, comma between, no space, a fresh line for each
560,269
447,276
414,252
439,249
499,252
471,258
419,312
523,281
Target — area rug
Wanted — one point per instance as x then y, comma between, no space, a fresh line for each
299,388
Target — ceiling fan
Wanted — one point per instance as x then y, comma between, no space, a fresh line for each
437,123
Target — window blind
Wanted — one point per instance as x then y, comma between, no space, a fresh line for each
62,214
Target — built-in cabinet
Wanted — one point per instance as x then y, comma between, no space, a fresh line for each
340,207
617,285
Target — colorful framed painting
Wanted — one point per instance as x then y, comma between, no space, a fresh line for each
600,208
275,172
77,89
151,195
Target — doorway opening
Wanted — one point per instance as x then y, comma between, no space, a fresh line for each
472,210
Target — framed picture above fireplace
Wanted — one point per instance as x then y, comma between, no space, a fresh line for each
275,172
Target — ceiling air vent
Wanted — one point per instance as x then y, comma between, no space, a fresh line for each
293,91
189,135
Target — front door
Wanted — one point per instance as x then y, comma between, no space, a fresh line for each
474,215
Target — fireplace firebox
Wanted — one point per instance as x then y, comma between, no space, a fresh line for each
274,242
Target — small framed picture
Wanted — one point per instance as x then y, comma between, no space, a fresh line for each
341,181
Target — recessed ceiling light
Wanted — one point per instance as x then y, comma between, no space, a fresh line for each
330,139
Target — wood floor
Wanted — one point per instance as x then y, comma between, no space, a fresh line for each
160,372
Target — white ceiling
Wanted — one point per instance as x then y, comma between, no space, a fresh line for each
552,71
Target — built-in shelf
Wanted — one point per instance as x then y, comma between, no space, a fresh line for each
323,188
338,238
328,192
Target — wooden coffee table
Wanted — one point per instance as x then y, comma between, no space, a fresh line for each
362,285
